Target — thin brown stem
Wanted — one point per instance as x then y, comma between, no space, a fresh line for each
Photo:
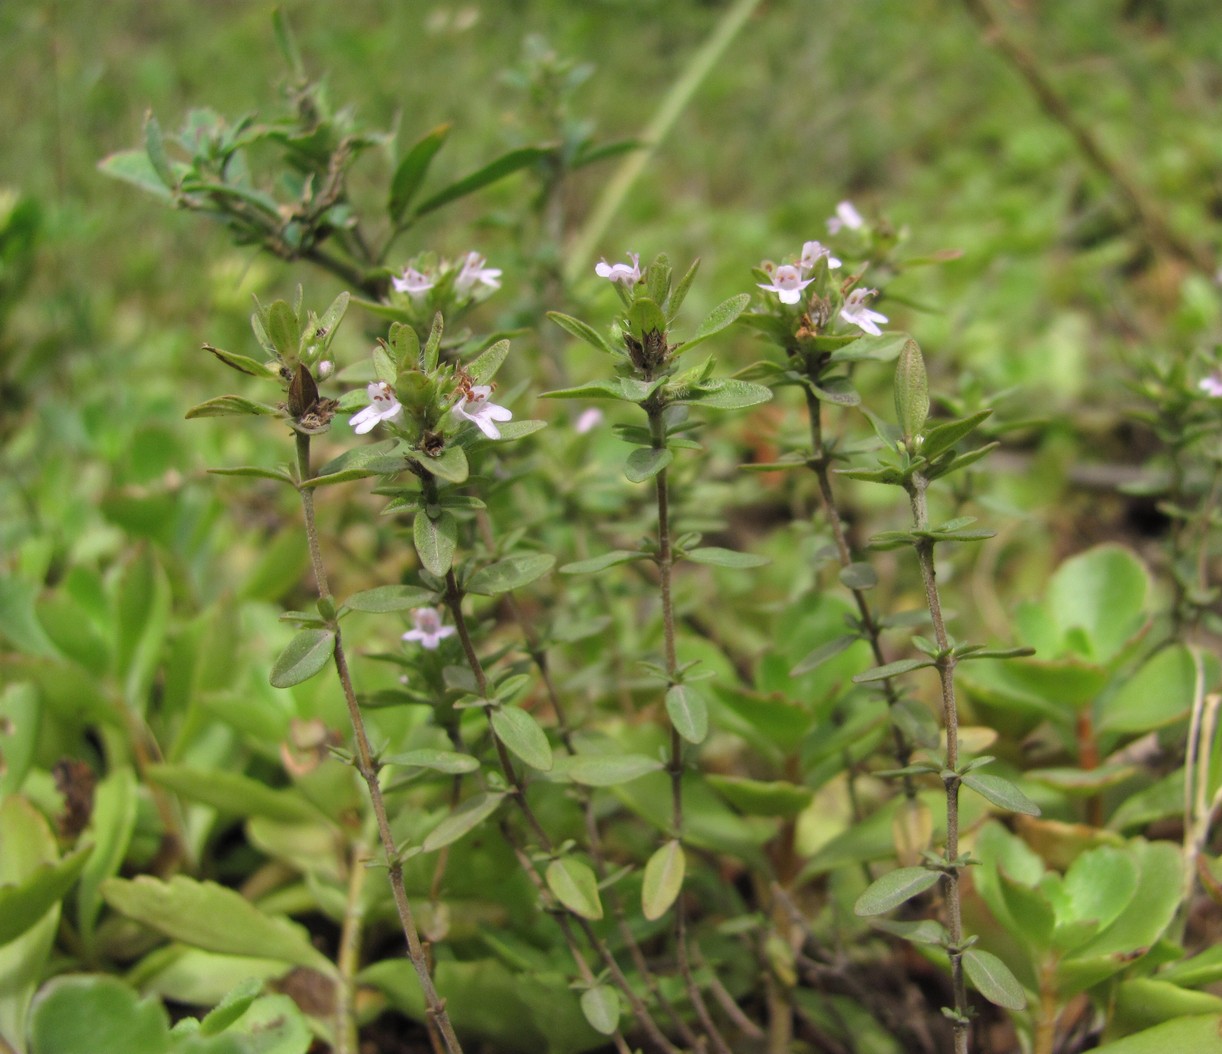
368,767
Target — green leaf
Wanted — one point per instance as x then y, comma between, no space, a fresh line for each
911,390
718,557
601,1007
728,394
232,792
721,317
838,391
993,980
510,573
469,815
447,761
385,368
451,464
214,918
254,470
134,167
1159,694
609,770
858,576
1001,792
895,888
601,563
1200,1035
521,733
762,797
306,654
231,406
410,173
503,166
891,669
645,462
942,437
242,363
283,330
581,331
436,540
824,652
663,880
883,348
645,317
115,810
484,368
97,1014
24,904
688,712
382,599
575,885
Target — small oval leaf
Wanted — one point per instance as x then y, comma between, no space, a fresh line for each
610,770
521,733
993,980
1000,791
575,885
602,1008
469,815
646,462
894,888
663,880
510,573
306,654
688,712
436,540
382,599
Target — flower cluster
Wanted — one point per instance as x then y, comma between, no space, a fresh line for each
429,283
788,280
627,273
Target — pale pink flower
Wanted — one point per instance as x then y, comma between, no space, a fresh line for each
474,272
812,252
629,274
383,406
787,283
475,407
856,312
1212,385
588,421
414,283
846,217
428,629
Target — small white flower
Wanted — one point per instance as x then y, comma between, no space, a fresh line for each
324,369
588,421
629,274
475,407
787,283
414,283
856,312
428,630
846,217
1212,385
473,272
383,406
811,254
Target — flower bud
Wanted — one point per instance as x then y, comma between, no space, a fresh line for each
911,391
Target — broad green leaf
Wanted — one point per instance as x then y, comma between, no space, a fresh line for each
232,792
410,173
97,1014
895,888
436,540
115,809
762,797
601,1007
469,815
1001,792
521,733
447,761
609,770
1099,885
382,599
575,885
510,573
306,654
142,610
1157,695
646,462
1142,1002
718,557
1033,915
503,166
601,563
20,708
1200,1035
663,880
1102,593
993,979
231,406
215,918
688,712
721,317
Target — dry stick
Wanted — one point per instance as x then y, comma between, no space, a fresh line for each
1156,229
665,561
368,768
950,719
453,601
348,958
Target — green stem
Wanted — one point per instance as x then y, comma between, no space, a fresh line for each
368,769
950,720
